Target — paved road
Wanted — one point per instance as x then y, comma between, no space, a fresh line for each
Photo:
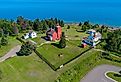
98,74
11,53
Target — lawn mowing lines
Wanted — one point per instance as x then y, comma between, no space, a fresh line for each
71,59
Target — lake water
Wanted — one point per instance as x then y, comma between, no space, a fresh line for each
96,11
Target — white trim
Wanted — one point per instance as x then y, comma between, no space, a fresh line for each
110,77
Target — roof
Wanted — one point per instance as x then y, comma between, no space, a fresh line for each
91,37
50,31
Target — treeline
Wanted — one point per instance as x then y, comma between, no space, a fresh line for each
13,27
99,28
114,41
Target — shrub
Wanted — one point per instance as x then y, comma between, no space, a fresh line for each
4,41
62,42
26,49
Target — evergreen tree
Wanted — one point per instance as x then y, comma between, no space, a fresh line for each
1,32
62,23
26,49
62,42
68,27
4,41
15,30
80,24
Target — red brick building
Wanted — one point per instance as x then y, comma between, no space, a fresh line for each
54,34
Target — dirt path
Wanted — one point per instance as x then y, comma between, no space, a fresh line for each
11,53
98,74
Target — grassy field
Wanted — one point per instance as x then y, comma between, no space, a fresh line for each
72,34
83,66
51,52
114,76
33,69
12,42
26,69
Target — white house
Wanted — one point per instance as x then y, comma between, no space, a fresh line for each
26,36
97,36
31,34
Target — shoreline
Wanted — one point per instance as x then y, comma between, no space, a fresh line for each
113,26
110,26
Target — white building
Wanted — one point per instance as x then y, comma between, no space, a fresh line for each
31,34
97,36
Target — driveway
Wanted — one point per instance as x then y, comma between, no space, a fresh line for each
98,74
11,53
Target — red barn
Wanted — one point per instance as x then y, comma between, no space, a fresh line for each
54,34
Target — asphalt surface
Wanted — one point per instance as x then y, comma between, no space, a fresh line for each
98,74
11,53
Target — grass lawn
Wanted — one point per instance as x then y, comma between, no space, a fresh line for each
38,40
26,69
12,42
72,34
82,66
114,76
33,69
52,52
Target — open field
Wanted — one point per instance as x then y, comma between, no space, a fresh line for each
12,42
72,34
33,69
51,52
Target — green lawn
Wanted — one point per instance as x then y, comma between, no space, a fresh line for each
12,42
82,66
52,52
33,69
38,40
114,76
72,34
26,69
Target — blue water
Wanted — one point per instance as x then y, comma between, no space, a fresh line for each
97,11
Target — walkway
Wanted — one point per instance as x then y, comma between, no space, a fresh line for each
11,53
98,74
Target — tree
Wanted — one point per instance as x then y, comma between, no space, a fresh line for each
4,41
15,30
62,42
20,20
26,49
36,25
84,28
86,23
62,23
80,24
1,32
96,26
68,27
113,41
